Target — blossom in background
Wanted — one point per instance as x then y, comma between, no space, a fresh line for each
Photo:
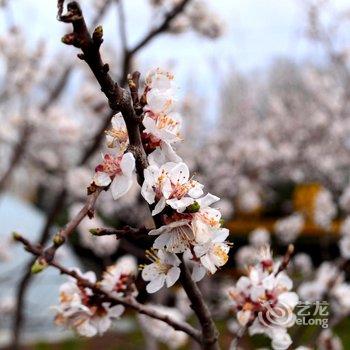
164,269
328,340
259,237
82,312
328,283
117,171
288,228
302,263
325,209
102,246
118,279
161,331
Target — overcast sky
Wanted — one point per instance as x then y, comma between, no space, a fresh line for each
257,31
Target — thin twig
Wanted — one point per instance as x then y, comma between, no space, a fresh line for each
125,231
130,302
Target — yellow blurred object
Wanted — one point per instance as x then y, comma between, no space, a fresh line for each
304,198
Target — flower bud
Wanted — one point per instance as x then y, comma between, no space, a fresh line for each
193,208
38,266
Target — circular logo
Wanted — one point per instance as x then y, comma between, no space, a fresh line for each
276,315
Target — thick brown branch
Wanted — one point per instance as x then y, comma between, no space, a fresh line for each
210,333
120,100
127,301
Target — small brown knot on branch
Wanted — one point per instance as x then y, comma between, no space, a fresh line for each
69,39
73,13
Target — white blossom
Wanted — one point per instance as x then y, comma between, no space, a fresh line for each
164,269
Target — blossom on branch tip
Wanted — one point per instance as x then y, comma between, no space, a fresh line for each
117,171
118,279
159,79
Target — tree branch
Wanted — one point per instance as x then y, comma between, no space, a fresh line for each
210,333
169,17
120,100
130,302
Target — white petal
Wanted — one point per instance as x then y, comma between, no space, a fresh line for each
155,284
172,276
198,273
166,188
148,193
220,235
159,206
86,329
127,164
150,272
179,174
102,179
116,311
149,123
207,200
161,241
102,324
208,264
120,186
180,204
196,191
289,299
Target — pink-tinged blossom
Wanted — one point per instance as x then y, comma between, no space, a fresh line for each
118,278
116,171
264,303
328,340
80,311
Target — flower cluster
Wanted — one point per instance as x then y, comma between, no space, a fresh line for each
191,226
264,302
87,313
